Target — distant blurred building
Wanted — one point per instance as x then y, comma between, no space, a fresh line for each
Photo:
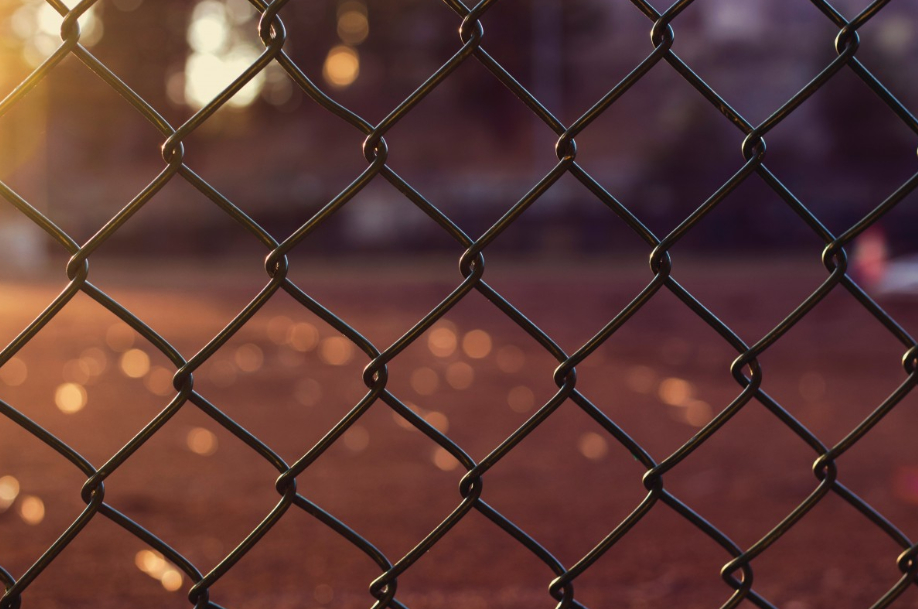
79,152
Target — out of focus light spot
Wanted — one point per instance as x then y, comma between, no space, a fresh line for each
14,372
812,386
476,344
95,359
208,31
442,342
356,438
402,421
201,441
460,375
150,562
521,399
342,66
443,460
278,328
135,363
307,392
239,11
171,580
510,359
640,379
153,564
425,381
222,373
70,397
120,337
353,26
206,76
696,413
336,350
593,446
31,509
323,594
674,391
437,420
303,336
9,490
76,371
49,21
159,382
249,357
278,88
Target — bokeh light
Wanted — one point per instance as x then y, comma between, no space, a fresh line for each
342,66
119,337
278,328
9,490
324,594
640,379
356,438
303,336
31,509
70,397
336,350
159,381
201,441
443,460
134,363
521,399
460,375
425,381
674,391
476,344
353,24
14,372
249,357
442,342
593,446
438,421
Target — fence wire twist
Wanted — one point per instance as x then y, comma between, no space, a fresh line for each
737,572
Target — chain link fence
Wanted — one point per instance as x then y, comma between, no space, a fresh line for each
471,46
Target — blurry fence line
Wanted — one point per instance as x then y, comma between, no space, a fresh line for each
737,571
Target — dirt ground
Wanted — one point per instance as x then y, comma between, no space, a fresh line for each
287,379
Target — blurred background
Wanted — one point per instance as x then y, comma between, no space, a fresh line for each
78,152
471,148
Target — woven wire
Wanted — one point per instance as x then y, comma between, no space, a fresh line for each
737,571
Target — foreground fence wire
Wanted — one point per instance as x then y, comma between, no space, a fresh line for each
739,562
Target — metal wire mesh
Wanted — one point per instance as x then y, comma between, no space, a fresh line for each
737,572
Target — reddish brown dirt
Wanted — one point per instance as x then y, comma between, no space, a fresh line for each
568,485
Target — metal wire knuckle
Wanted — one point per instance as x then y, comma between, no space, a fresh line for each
661,263
847,41
566,147
834,257
471,29
910,360
824,468
661,34
753,147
